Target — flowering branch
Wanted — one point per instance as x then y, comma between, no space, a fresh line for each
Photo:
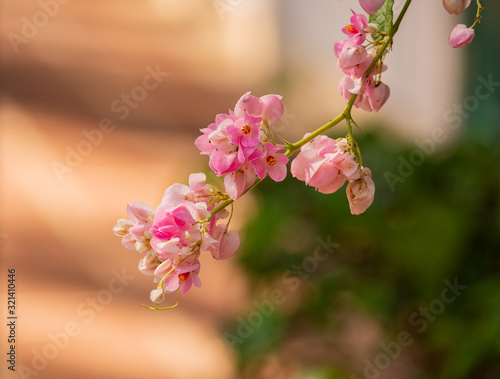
242,149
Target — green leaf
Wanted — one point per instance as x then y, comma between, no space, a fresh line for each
383,19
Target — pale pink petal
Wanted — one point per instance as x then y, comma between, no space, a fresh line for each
249,103
138,211
371,6
277,172
461,35
272,108
229,244
197,181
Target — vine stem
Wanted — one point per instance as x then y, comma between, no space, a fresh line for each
346,113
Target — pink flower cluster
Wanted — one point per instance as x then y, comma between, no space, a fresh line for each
239,147
354,60
460,35
173,237
326,164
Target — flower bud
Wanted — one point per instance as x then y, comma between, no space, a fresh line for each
122,227
360,192
372,28
371,6
455,6
377,95
157,296
461,35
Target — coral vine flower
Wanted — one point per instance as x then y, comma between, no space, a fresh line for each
461,35
273,163
360,192
183,275
371,6
326,165
455,6
358,24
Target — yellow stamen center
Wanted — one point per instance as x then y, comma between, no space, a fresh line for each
351,29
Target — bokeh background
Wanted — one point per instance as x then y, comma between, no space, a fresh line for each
374,308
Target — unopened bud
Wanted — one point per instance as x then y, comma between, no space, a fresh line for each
157,296
122,227
372,28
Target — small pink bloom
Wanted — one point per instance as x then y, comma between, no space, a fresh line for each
455,6
138,211
245,131
358,24
327,178
272,108
308,160
352,54
461,35
273,163
361,192
360,69
229,242
377,95
371,6
185,275
237,182
222,163
203,142
248,103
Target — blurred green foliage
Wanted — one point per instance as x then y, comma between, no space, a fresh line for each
441,222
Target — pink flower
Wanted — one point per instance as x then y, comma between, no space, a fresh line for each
178,193
455,6
371,6
237,182
250,104
272,109
352,54
184,275
222,163
324,163
135,232
228,242
245,131
169,223
461,35
360,192
358,24
377,95
273,163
